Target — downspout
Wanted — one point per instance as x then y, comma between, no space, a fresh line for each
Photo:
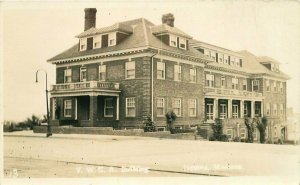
152,89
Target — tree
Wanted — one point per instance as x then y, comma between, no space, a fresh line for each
32,121
261,126
250,129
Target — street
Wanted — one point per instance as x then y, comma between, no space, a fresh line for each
72,155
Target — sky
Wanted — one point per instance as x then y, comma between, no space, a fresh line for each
32,32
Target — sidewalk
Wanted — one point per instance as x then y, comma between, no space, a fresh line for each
29,133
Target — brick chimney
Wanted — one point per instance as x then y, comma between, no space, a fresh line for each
168,19
89,18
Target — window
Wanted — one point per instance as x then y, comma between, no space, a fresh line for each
160,107
112,39
274,86
102,72
225,59
130,70
193,75
235,83
275,131
274,109
182,43
160,129
237,62
245,109
210,80
82,44
207,52
223,81
173,40
229,133
232,60
221,57
255,85
268,109
267,85
281,87
160,70
245,85
68,75
97,42
83,74
281,109
257,109
192,107
223,111
68,108
177,72
243,133
235,111
209,111
130,107
213,55
177,106
108,107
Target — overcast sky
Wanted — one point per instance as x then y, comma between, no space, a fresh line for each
35,32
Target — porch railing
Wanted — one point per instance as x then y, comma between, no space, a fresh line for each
234,92
85,85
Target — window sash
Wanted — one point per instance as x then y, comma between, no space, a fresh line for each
173,41
192,107
68,75
182,43
193,75
177,72
235,111
223,111
130,107
83,74
102,72
160,70
130,70
229,133
112,39
243,133
108,107
83,44
67,108
160,106
209,111
177,106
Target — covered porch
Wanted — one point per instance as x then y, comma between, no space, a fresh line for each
86,106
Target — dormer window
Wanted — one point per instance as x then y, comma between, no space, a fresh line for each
83,44
220,56
173,41
182,43
97,41
112,39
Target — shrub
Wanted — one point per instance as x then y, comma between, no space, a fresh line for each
149,125
250,130
217,128
171,117
243,140
212,138
223,137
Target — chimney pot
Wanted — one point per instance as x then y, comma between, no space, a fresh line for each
89,18
168,19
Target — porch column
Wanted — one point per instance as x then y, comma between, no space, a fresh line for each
241,108
93,110
118,108
229,108
216,112
262,108
252,109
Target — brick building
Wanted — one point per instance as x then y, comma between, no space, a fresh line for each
116,75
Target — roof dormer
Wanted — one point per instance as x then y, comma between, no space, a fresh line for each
269,63
169,34
94,38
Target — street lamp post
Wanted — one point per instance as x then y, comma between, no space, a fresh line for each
49,132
